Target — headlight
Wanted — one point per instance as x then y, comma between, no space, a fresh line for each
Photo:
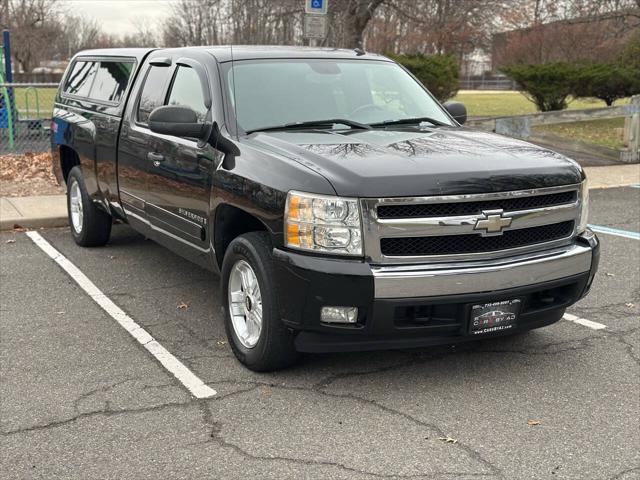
321,223
584,207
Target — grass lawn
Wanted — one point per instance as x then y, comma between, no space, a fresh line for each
601,132
495,104
27,105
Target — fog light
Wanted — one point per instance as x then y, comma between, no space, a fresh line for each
339,315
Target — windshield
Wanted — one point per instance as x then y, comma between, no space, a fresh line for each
270,93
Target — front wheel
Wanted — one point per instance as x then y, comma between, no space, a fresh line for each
90,226
254,329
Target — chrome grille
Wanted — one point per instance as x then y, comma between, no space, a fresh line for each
466,208
456,244
447,228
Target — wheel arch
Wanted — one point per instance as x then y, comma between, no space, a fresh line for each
230,222
67,159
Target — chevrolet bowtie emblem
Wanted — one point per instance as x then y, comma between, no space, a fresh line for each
492,222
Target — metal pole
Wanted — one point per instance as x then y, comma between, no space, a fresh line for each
8,77
6,43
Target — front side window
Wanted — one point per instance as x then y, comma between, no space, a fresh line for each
81,78
111,80
278,92
151,96
186,91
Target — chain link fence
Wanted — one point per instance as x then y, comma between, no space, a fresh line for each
25,117
487,84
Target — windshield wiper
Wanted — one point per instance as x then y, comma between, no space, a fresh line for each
313,123
410,121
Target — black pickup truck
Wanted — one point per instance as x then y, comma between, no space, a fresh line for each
342,205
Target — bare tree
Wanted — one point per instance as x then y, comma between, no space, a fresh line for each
195,22
433,26
348,20
540,31
211,22
265,22
34,26
76,33
145,35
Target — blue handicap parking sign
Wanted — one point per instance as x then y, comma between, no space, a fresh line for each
316,7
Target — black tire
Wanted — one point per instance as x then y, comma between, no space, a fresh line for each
274,349
95,227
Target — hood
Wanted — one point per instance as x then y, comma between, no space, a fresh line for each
434,161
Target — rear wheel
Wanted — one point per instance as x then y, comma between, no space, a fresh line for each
254,329
90,226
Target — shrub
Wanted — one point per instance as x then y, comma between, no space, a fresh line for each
547,85
630,57
607,82
439,73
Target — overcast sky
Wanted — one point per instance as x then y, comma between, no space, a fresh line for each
117,16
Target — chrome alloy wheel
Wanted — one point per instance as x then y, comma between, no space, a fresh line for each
245,303
75,205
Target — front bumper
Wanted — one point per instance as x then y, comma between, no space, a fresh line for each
419,305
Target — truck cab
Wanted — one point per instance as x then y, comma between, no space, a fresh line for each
344,207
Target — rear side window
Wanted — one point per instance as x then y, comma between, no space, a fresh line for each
186,91
80,79
111,80
152,90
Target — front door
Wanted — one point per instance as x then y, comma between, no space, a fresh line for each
165,181
181,169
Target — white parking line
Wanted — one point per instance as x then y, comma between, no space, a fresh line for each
615,231
185,376
584,322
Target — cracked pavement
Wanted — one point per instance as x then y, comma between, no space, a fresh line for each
79,398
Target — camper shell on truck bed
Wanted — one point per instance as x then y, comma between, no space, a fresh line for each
342,205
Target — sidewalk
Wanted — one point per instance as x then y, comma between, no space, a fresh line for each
51,210
613,176
33,212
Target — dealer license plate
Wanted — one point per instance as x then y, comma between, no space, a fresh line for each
494,316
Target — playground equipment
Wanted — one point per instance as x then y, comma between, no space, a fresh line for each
22,123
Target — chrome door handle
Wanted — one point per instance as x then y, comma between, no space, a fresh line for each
156,158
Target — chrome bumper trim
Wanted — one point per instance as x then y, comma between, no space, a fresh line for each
407,281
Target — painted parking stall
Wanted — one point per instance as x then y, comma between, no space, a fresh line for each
187,378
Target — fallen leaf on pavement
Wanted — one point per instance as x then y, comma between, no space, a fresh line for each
630,304
533,423
183,306
448,440
610,274
265,391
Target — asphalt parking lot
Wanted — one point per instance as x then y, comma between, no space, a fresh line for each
80,398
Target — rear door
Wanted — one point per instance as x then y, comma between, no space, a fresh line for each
134,167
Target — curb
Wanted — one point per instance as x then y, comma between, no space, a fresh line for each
33,222
45,211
